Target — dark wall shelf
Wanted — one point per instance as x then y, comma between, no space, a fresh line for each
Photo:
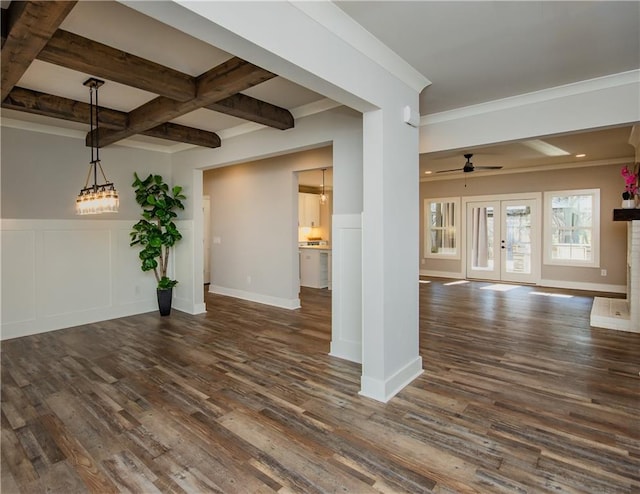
626,214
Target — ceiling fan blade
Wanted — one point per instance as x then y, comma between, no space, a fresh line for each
452,170
488,167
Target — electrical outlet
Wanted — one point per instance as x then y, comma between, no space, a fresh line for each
248,280
603,272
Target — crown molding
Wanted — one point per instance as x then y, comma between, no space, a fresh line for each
581,87
338,22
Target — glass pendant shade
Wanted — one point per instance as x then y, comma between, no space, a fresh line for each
96,198
101,199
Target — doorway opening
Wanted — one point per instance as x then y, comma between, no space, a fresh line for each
315,209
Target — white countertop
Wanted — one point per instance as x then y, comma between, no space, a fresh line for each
315,247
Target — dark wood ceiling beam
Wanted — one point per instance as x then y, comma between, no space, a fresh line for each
221,82
48,105
4,25
29,101
30,25
182,133
84,55
248,108
78,53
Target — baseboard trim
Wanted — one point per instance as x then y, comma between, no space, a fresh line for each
53,323
577,285
385,390
187,306
347,350
441,274
284,303
569,285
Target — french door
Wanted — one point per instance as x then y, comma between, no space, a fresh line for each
503,240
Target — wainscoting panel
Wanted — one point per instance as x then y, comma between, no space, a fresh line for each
75,273
62,273
19,269
126,260
346,328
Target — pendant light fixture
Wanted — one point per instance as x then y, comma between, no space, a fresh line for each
323,196
96,198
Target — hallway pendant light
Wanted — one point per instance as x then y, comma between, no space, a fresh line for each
323,196
96,198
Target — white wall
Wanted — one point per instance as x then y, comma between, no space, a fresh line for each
58,269
43,173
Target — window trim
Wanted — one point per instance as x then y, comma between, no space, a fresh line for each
427,230
595,228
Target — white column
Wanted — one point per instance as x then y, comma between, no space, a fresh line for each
390,347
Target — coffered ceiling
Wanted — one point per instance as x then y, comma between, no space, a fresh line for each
169,90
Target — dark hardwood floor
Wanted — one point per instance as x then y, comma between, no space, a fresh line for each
518,395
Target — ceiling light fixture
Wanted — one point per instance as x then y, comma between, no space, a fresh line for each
96,198
323,196
581,155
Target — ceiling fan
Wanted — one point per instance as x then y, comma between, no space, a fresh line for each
468,166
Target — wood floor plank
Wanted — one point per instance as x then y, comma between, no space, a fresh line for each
84,465
518,395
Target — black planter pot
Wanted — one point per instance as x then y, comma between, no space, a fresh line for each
164,301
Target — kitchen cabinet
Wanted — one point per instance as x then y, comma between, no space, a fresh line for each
308,210
315,268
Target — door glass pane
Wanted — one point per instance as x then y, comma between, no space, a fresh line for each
482,248
517,239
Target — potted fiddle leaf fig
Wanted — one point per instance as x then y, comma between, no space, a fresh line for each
156,233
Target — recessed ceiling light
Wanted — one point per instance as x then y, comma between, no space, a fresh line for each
428,172
581,155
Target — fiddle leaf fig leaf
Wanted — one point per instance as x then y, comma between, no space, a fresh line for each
156,233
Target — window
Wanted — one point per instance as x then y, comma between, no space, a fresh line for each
572,228
442,228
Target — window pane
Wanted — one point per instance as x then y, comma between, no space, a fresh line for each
441,228
572,227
